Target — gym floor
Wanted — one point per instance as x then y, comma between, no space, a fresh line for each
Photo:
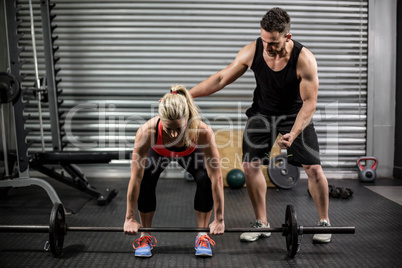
374,209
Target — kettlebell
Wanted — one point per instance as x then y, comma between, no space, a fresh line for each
367,173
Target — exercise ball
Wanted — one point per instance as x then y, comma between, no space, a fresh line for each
236,178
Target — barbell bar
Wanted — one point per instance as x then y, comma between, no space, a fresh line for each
303,229
58,228
45,229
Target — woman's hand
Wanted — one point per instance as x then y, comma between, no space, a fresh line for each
131,227
217,227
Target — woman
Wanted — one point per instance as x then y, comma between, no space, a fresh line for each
176,134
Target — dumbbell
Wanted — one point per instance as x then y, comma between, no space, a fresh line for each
346,193
340,192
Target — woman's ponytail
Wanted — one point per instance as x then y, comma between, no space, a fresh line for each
180,104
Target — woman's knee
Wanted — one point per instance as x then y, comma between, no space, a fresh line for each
147,202
203,200
203,204
201,178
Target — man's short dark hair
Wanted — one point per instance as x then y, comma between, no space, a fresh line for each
276,20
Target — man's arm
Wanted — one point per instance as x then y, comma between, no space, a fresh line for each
228,75
307,70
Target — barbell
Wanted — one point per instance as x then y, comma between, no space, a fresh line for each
58,228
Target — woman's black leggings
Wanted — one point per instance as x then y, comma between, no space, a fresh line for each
193,163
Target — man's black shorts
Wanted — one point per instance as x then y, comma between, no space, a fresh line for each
260,134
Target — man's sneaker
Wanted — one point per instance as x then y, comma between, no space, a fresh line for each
144,245
203,245
250,237
322,238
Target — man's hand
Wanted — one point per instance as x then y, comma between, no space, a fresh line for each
217,227
131,227
286,140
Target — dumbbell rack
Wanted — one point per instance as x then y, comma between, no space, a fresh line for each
53,91
19,105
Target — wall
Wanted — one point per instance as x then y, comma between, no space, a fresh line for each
381,84
118,57
398,110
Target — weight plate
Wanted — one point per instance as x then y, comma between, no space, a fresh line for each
9,88
281,173
292,235
57,229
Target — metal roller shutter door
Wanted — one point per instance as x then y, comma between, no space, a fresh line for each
117,58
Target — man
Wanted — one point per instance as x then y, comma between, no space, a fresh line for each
285,100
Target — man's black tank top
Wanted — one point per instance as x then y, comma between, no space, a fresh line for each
276,93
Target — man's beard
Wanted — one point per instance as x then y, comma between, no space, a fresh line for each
273,53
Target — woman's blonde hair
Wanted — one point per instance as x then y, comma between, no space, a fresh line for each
178,104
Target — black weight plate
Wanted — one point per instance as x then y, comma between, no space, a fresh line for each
57,229
281,173
9,88
292,236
